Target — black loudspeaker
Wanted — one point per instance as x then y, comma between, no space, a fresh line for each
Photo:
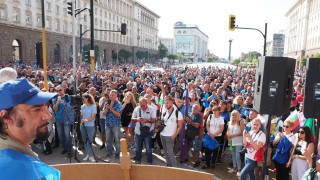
311,104
273,85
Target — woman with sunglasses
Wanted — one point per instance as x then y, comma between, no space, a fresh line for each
282,170
298,162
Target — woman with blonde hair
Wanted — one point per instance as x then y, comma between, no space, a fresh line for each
235,130
238,101
128,106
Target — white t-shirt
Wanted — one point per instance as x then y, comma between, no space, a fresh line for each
235,129
215,123
292,138
171,123
149,114
259,137
101,112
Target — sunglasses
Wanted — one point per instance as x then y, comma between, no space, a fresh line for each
301,132
59,90
286,126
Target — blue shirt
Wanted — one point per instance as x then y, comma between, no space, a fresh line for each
61,106
111,119
87,112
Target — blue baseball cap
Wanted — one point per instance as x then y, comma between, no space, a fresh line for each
21,91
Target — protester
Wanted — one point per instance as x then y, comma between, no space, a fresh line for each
298,162
234,133
128,106
88,116
253,141
23,118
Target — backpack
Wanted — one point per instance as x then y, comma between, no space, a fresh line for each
67,113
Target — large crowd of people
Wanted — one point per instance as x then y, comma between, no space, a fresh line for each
163,108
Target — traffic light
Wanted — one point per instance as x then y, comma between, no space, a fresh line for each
69,8
232,22
123,28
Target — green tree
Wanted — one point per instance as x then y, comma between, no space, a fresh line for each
317,55
173,56
253,54
210,59
140,54
303,61
114,55
124,54
247,60
254,60
162,50
236,61
86,53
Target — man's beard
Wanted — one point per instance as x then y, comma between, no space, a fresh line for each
42,135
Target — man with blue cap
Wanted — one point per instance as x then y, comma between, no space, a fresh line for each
23,117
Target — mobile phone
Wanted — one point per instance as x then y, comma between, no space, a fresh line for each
109,101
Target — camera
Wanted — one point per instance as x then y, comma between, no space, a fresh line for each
243,151
109,101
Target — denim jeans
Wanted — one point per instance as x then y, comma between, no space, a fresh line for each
87,142
147,142
102,125
113,132
236,161
168,144
64,135
248,169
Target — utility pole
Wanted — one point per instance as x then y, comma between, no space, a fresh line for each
230,42
74,41
92,36
44,50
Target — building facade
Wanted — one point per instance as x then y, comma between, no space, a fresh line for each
303,31
191,42
276,46
21,22
169,44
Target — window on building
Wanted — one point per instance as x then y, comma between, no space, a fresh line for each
64,26
38,20
57,9
179,32
15,0
38,4
48,6
71,28
15,15
48,22
28,18
65,11
2,12
28,2
85,18
56,25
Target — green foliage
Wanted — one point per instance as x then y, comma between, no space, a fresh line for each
236,61
317,55
114,55
162,50
254,60
252,55
210,59
142,54
303,61
124,54
182,57
173,56
247,60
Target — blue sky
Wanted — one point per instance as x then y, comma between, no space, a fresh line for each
211,16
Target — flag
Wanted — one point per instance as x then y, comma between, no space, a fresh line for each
161,101
94,79
294,117
35,66
173,81
132,73
311,124
183,141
